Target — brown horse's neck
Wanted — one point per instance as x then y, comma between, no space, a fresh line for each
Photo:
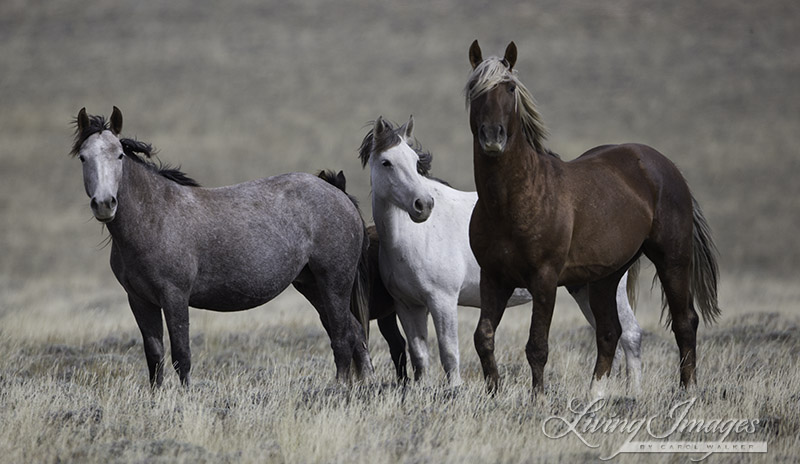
509,178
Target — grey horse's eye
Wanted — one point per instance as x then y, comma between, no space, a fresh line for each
121,155
80,157
387,163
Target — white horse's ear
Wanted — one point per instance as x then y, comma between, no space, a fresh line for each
380,126
511,55
116,121
475,55
408,128
82,120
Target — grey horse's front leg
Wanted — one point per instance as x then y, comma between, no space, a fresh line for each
148,317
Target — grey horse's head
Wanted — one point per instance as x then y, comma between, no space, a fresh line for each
98,147
394,170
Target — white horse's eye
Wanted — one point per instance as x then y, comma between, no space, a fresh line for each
80,157
387,163
121,155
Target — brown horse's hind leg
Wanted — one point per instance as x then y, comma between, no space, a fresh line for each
603,302
675,282
148,317
493,304
673,267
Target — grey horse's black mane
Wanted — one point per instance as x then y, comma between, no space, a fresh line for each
389,139
133,149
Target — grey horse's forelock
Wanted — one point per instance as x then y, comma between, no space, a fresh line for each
493,71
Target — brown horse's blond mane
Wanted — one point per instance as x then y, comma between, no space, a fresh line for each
493,71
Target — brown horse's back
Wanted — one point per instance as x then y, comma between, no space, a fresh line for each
617,195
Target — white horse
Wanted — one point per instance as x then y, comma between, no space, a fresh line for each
425,258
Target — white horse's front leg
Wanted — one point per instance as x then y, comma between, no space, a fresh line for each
444,311
415,324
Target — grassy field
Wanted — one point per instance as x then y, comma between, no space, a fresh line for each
239,90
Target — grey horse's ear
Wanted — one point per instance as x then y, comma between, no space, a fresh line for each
511,55
475,55
380,126
408,128
116,121
82,120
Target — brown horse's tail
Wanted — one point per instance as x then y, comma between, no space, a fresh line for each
359,295
705,271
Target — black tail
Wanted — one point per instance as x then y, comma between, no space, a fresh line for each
705,271
359,297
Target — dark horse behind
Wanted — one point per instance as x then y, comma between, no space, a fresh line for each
541,222
176,244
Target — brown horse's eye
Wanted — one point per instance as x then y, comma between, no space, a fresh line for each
512,88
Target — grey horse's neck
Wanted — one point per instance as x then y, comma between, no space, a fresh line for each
141,194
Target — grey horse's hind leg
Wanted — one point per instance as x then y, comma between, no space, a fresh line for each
148,317
630,342
332,305
176,314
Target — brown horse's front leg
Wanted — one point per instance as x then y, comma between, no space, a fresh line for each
543,291
494,298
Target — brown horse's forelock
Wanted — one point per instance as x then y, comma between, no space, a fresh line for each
388,139
494,71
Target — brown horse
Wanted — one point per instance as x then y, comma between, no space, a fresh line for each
541,222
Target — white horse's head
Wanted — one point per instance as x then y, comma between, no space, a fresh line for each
98,147
394,170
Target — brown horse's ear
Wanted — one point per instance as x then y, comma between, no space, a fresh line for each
475,55
511,55
116,121
408,128
380,126
82,120
340,180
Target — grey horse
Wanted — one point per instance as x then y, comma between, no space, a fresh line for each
176,244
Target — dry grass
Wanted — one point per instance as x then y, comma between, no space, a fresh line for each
76,390
245,89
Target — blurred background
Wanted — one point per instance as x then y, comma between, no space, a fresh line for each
237,90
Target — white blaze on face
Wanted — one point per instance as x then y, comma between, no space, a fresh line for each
101,156
395,180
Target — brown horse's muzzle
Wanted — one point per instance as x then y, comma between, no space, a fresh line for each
492,138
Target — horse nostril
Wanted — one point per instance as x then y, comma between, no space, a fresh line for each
94,203
418,207
501,132
113,202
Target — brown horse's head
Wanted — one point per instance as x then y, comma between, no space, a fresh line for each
501,108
